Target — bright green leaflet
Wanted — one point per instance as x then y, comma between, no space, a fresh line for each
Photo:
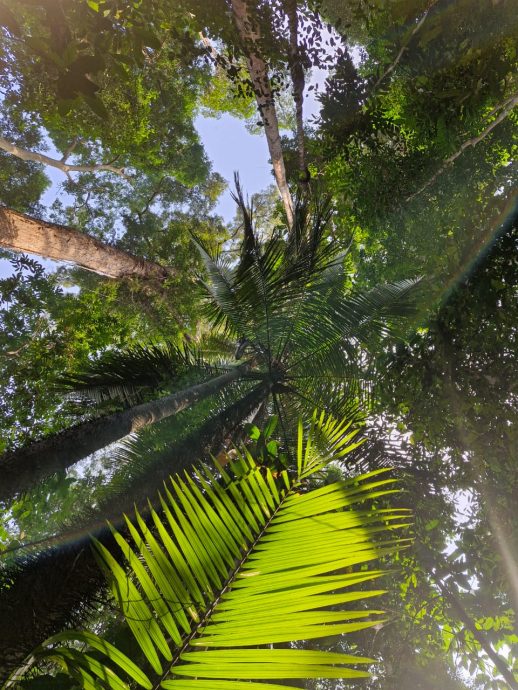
282,575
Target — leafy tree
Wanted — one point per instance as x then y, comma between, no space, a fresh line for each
92,73
450,391
420,138
416,145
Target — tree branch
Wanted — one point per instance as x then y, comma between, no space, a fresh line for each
403,48
66,168
218,58
450,594
21,233
505,109
70,150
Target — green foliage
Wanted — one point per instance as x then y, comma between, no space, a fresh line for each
422,92
93,72
126,374
236,563
288,304
46,331
450,391
427,80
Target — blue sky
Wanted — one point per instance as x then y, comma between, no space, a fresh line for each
231,148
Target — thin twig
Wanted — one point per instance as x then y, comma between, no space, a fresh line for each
217,57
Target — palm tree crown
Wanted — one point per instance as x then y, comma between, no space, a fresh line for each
288,305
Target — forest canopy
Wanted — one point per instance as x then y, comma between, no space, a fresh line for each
176,376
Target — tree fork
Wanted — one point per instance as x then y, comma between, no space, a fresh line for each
62,164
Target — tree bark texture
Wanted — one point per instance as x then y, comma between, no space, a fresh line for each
21,469
249,33
22,233
44,592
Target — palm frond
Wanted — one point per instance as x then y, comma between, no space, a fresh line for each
306,251
331,327
124,374
249,250
242,560
255,298
289,300
225,308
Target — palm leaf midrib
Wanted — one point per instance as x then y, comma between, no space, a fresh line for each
246,552
253,597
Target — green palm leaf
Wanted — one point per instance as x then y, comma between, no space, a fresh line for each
290,300
240,560
123,374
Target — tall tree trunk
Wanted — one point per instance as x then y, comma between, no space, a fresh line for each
21,469
22,233
45,592
297,80
250,35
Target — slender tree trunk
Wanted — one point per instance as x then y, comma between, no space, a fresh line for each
297,80
21,469
22,233
47,591
250,35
